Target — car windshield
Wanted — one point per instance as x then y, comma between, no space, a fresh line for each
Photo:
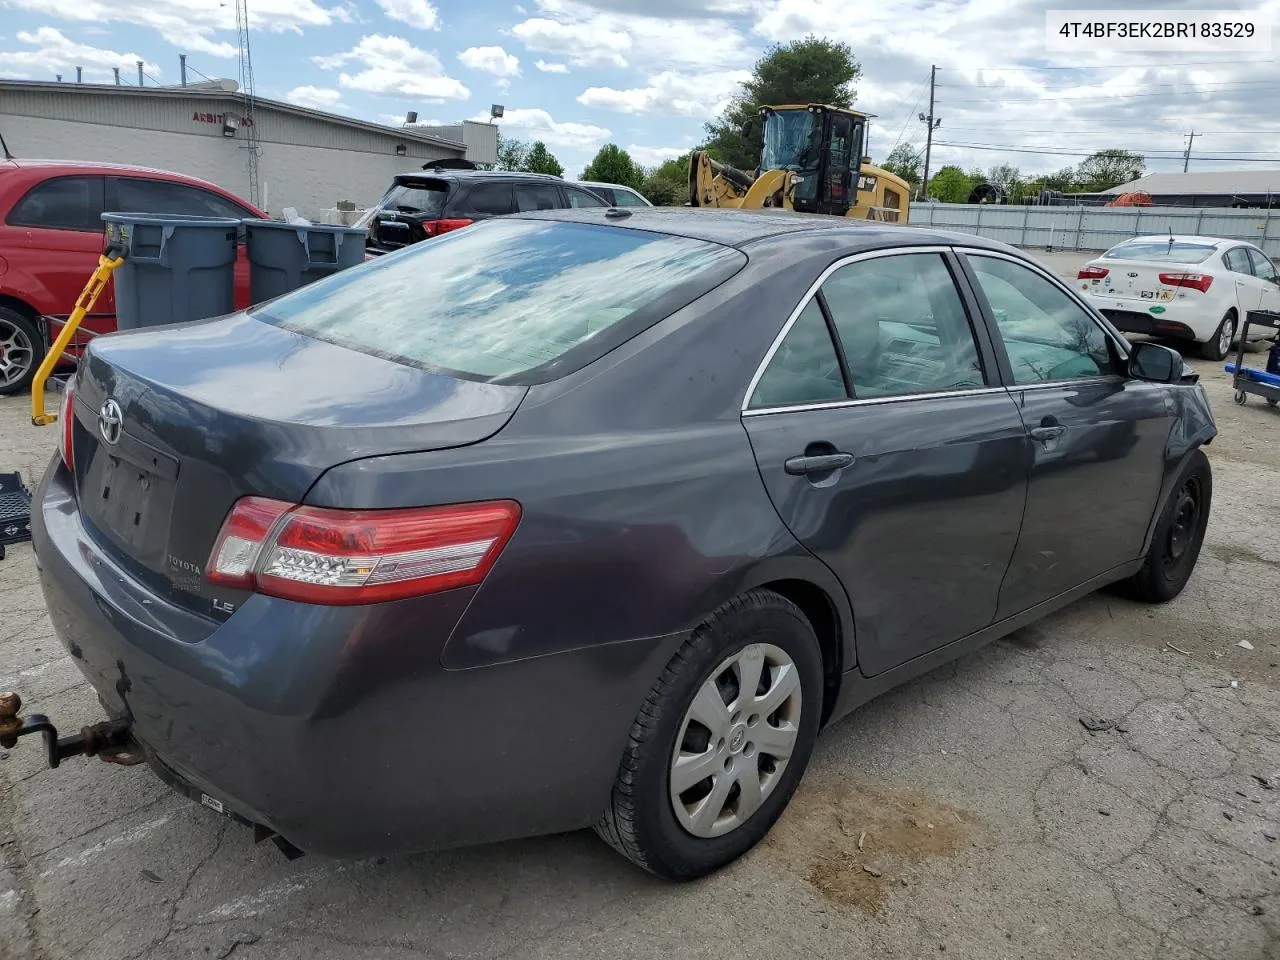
506,299
790,140
1177,252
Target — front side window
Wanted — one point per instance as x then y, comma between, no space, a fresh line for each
1262,265
1047,335
520,301
903,326
65,203
804,369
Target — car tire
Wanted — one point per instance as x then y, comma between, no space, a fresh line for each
1213,348
641,820
1175,545
22,350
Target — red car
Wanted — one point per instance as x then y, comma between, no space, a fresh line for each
51,234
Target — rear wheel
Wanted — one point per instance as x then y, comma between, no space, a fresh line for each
721,742
1179,534
1219,345
21,351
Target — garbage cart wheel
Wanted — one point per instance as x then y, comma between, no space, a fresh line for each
1179,534
21,351
721,742
1241,397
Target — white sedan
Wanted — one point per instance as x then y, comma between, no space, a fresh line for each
1183,287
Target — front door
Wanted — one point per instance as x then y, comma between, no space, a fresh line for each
1097,437
838,187
890,453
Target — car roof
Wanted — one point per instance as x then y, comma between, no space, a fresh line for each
737,228
39,168
1179,238
448,173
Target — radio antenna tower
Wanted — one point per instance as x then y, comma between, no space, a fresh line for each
246,91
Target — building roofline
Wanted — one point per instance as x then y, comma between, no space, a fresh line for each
204,92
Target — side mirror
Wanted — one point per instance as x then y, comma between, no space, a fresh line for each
1155,362
747,127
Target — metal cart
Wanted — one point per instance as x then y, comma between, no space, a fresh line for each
1246,380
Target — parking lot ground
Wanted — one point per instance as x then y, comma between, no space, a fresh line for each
1105,784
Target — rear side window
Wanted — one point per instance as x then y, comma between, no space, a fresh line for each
419,198
516,301
625,198
1237,261
1176,252
493,199
64,203
537,196
164,196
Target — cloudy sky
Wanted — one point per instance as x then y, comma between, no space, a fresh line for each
646,74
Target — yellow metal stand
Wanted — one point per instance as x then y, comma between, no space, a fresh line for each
107,262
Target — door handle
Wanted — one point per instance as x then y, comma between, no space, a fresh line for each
822,463
1047,433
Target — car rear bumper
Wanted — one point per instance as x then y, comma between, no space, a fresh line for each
338,728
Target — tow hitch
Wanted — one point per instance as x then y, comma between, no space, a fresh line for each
111,740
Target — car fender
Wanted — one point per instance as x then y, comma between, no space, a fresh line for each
1193,427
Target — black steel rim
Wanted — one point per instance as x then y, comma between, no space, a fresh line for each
1186,522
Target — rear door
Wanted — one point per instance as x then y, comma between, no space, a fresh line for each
538,196
891,451
1248,287
186,200
1265,271
57,237
486,200
1097,438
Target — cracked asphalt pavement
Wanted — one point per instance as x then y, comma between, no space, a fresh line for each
1104,784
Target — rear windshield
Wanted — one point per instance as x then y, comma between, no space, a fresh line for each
424,198
516,301
1178,252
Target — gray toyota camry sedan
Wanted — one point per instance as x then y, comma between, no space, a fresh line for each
591,518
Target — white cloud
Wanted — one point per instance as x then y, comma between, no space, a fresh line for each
535,124
492,60
551,67
392,66
585,44
669,93
652,156
416,13
55,53
191,25
320,98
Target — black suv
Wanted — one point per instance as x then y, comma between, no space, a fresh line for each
427,204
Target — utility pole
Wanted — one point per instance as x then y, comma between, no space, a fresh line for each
931,123
1186,157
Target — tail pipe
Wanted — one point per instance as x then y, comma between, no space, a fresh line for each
111,740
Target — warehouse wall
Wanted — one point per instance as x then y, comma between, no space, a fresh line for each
303,162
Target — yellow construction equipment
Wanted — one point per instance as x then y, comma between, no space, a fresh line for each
812,162
110,258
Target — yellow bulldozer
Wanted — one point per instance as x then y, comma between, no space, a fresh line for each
811,161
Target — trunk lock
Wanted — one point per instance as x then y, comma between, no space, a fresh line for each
111,740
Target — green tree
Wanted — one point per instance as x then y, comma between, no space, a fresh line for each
614,165
541,160
511,153
950,185
812,70
667,184
1108,168
905,161
1005,176
1064,180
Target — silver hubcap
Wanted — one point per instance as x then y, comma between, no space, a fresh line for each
16,353
1225,337
735,740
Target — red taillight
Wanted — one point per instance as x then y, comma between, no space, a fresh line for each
1197,281
434,228
68,417
326,556
1092,273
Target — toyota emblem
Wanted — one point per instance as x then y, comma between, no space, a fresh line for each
110,422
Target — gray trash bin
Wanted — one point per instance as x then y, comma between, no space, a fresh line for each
176,269
284,256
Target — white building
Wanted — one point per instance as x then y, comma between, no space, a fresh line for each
307,159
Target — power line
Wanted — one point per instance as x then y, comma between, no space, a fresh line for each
914,107
1098,96
1053,152
1119,66
1137,83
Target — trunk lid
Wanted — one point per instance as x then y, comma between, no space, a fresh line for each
1151,270
209,412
